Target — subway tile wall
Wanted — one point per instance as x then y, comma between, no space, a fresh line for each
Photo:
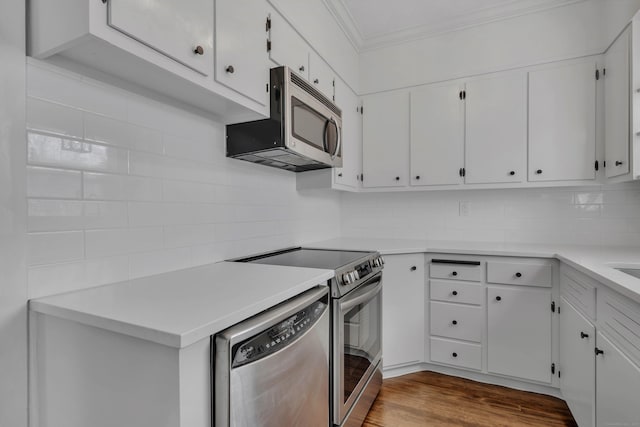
121,186
598,215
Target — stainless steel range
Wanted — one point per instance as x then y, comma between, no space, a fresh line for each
356,324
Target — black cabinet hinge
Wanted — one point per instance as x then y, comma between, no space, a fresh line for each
460,95
597,166
268,45
553,368
464,94
604,164
361,109
559,374
268,24
597,74
553,306
604,72
558,309
361,177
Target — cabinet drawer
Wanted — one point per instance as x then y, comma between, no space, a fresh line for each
579,290
456,353
440,269
456,321
620,319
514,273
458,292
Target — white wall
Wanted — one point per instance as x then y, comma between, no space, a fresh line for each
607,215
579,29
120,186
13,289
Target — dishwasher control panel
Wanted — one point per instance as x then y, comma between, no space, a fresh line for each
278,336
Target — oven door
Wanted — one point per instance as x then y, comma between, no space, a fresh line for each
357,343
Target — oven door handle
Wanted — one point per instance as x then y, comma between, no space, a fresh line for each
361,295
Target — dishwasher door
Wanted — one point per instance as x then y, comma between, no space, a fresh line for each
273,370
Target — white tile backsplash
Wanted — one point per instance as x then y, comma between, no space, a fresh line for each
121,186
599,215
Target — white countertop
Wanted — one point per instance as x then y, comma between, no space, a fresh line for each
182,307
596,262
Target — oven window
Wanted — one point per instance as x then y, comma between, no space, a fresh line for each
361,342
311,127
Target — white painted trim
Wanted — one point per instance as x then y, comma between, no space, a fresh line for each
346,21
512,9
474,376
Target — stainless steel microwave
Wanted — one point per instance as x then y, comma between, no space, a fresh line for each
303,132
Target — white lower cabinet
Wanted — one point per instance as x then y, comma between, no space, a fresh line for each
519,332
577,364
403,310
618,386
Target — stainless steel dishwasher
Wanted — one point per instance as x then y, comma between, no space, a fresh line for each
273,369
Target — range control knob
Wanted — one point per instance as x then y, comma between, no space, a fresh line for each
356,275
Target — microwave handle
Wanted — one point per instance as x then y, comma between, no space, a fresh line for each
339,136
324,136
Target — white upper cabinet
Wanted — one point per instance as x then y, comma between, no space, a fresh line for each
437,135
386,139
617,104
242,61
286,46
321,75
349,174
496,129
165,47
179,31
562,122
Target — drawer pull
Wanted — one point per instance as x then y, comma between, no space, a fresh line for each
454,354
498,298
454,293
583,335
455,322
518,274
413,268
455,273
454,261
598,351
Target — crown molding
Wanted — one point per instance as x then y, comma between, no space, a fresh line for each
510,10
347,23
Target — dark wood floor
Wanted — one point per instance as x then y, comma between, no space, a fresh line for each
431,399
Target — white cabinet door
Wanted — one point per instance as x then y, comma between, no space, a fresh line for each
349,103
385,139
242,62
618,387
173,29
321,75
617,103
519,332
562,117
403,310
577,364
437,135
496,129
287,46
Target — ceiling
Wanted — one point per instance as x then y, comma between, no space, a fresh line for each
372,23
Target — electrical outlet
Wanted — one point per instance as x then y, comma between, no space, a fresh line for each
464,209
